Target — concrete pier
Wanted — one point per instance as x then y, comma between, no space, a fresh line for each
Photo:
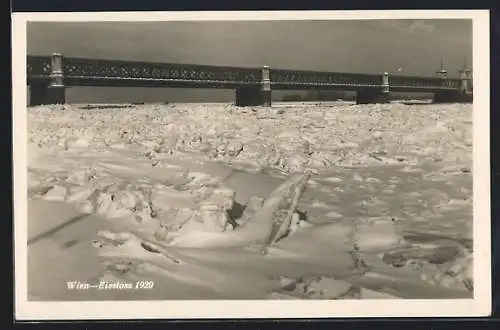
43,94
461,95
248,96
52,91
38,94
369,95
256,95
452,97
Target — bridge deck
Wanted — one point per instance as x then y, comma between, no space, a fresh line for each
98,72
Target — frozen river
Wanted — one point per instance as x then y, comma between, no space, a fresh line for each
157,193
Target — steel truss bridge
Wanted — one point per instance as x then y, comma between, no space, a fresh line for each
49,76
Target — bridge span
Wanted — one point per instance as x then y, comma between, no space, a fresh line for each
49,76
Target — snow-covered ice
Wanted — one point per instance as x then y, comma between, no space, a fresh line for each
177,194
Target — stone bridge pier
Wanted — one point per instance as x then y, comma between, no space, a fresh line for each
462,95
248,96
366,95
452,97
52,91
256,95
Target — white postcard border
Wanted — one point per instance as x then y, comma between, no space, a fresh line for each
186,309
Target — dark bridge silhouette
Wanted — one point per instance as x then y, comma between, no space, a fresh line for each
49,76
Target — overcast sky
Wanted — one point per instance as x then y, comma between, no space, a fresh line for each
364,46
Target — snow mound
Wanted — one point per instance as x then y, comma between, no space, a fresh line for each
76,143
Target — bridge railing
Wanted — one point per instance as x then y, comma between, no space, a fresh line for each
38,67
76,67
81,68
397,82
68,71
294,77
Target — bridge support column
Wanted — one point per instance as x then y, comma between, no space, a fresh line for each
369,95
53,91
366,95
38,94
56,95
255,95
248,96
43,94
455,96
